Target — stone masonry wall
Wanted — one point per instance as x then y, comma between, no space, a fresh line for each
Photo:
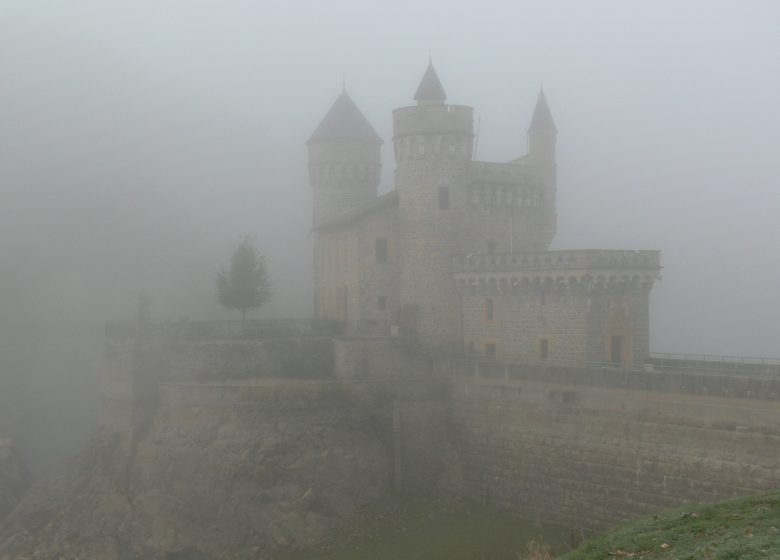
576,325
592,448
378,280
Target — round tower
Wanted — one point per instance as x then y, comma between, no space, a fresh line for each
433,148
542,136
344,161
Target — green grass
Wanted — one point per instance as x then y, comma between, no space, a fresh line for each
417,531
744,529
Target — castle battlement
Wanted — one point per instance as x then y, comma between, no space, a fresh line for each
433,119
428,262
548,261
510,174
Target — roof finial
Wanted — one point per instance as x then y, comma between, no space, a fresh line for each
430,90
430,58
344,82
542,118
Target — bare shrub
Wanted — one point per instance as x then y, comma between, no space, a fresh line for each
536,551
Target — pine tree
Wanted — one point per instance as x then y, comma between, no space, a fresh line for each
245,285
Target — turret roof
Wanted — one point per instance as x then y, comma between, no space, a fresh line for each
542,118
344,122
430,88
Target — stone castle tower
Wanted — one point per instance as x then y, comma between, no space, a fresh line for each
344,161
433,146
457,254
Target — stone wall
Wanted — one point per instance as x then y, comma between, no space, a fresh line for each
352,279
433,148
378,280
417,445
592,448
302,357
576,325
584,446
134,368
379,358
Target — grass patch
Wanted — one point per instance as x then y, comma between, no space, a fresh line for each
743,529
418,531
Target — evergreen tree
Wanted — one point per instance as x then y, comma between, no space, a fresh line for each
245,285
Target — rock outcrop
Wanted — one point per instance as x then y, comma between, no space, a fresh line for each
14,478
209,480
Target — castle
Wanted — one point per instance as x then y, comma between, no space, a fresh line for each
456,256
271,428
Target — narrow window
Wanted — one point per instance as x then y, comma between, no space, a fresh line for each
544,349
488,309
616,353
490,350
381,303
444,198
381,249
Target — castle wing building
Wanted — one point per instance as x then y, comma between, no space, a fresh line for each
456,256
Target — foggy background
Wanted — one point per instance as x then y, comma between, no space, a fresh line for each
139,140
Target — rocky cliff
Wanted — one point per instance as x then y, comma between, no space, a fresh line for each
226,475
14,478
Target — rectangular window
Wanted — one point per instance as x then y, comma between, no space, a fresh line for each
544,349
617,350
444,198
381,303
488,309
381,249
490,350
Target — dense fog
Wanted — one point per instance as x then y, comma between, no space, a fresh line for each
140,140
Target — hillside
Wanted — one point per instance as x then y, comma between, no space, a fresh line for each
743,529
14,478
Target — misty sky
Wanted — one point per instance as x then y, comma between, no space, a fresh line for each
139,140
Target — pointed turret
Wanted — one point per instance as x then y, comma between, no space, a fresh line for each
542,119
430,91
344,161
541,151
344,123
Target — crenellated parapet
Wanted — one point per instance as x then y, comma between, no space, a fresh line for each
505,188
582,270
509,174
433,131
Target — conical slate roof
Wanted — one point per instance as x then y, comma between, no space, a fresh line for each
344,122
430,88
542,119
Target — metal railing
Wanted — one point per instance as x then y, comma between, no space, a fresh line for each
711,358
769,368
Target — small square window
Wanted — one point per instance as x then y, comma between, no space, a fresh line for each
490,350
488,309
